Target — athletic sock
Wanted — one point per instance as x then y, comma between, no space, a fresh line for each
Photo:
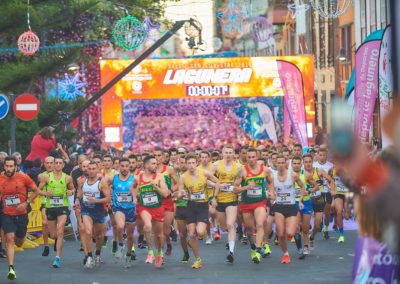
159,253
231,246
326,228
297,239
11,267
150,251
97,252
341,232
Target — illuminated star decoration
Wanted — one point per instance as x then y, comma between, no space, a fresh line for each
295,8
70,88
152,29
232,18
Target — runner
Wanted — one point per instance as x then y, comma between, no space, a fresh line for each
13,190
92,194
285,208
123,208
149,187
168,202
322,163
58,187
253,205
48,165
317,200
181,212
108,173
194,182
339,202
227,171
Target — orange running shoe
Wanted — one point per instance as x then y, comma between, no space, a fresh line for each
217,236
285,259
159,261
150,258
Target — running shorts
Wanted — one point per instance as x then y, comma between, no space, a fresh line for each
328,197
308,208
53,213
286,210
130,214
157,214
251,207
318,204
98,216
168,204
340,196
197,212
180,213
221,207
15,224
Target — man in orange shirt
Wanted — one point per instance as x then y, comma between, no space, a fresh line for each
15,200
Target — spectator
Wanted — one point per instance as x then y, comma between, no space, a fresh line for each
77,147
42,143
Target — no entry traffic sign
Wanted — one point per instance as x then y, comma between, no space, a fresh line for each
26,107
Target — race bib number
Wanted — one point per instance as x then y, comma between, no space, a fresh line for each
124,197
227,188
198,196
13,200
298,192
150,199
56,200
86,196
284,198
315,194
341,189
254,192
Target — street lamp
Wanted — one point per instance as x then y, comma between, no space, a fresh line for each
342,55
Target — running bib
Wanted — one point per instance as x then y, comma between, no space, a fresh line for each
340,188
150,199
315,194
86,195
255,192
285,198
56,200
124,197
298,192
12,200
198,196
228,188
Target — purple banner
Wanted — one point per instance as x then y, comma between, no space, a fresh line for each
292,84
287,125
374,263
366,86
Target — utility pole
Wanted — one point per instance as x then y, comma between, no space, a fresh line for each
12,143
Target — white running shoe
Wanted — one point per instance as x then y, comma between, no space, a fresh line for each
306,250
89,262
209,240
120,253
128,261
97,260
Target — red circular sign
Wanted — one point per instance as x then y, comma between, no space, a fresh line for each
26,107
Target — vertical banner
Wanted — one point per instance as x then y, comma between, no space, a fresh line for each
287,125
385,79
366,86
292,83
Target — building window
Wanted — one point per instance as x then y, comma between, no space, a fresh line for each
349,46
372,12
363,19
383,13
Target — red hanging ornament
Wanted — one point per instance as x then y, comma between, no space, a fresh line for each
28,43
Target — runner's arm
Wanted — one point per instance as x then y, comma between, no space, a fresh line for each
42,183
161,186
297,179
270,179
310,180
105,189
134,188
329,179
174,179
213,181
181,188
70,186
79,192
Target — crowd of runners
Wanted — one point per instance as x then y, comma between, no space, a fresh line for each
257,196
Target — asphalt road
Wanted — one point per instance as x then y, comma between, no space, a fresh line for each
330,262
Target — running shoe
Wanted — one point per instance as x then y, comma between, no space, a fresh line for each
301,254
128,261
229,257
169,249
244,240
217,236
159,261
173,235
97,260
11,274
267,250
255,256
56,262
335,228
120,253
227,246
89,262
144,244
46,251
311,244
341,239
150,258
3,253
209,240
326,235
185,258
276,241
105,242
133,253
306,250
197,264
292,240
285,259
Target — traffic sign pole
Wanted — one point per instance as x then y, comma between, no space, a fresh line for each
13,143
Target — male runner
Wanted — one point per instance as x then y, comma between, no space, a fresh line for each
48,165
168,202
285,208
227,171
150,188
297,150
93,193
339,201
323,163
58,186
317,199
14,197
123,208
194,182
252,185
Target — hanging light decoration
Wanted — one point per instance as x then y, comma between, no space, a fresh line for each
28,42
331,8
261,30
